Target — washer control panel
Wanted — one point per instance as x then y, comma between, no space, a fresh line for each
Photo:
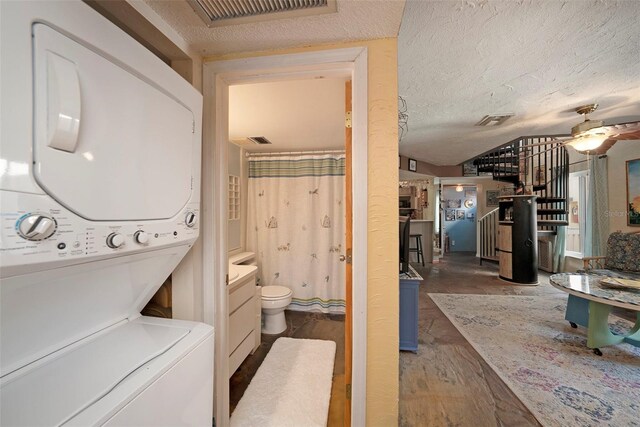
48,232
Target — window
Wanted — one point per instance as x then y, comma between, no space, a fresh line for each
578,198
234,197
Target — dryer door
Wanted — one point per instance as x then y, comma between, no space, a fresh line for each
108,144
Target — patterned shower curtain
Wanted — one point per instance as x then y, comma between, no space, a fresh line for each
295,225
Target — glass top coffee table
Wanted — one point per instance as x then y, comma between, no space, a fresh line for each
590,303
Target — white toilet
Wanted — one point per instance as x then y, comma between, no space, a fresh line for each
274,300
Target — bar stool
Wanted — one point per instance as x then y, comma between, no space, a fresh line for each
418,248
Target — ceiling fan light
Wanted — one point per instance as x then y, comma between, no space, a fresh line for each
587,142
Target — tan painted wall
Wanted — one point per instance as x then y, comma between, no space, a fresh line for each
618,155
382,320
427,168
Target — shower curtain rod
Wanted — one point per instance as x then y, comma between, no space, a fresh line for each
283,153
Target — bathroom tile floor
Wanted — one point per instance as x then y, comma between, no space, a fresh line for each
299,325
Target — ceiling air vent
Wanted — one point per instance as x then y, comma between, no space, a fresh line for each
260,140
217,13
494,119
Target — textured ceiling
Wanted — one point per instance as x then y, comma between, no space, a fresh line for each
293,115
462,60
355,20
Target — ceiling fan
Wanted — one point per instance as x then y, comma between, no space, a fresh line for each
593,137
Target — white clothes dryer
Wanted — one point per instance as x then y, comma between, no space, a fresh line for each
99,200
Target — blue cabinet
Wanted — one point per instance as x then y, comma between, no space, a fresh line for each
409,287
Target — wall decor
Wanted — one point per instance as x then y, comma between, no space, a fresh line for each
633,193
469,169
449,214
492,197
413,165
469,193
469,203
454,203
460,214
471,215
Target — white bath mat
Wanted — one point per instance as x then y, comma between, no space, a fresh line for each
292,386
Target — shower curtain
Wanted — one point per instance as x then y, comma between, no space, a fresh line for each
295,225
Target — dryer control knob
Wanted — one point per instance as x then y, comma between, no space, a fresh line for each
36,227
115,240
190,219
141,237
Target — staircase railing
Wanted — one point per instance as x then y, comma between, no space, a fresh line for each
488,227
535,164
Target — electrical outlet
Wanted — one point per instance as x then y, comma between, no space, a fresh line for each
453,243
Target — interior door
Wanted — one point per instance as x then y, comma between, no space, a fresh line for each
348,328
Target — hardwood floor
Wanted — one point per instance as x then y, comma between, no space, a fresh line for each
299,325
448,383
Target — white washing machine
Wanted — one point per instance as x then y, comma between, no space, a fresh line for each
99,201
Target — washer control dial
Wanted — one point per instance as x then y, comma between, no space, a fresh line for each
190,219
115,240
36,227
141,237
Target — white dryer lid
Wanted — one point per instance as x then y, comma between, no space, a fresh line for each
127,157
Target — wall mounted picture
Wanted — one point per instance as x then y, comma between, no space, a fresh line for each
471,215
449,214
469,203
413,165
469,193
469,169
460,214
492,197
454,203
633,193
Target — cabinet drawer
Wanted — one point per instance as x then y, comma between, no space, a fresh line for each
237,357
506,266
241,322
504,238
240,294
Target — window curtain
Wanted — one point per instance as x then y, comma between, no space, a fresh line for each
295,225
597,222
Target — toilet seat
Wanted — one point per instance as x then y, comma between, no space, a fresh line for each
275,292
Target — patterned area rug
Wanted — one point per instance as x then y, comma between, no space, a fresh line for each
546,363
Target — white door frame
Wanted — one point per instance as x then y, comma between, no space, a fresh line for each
217,77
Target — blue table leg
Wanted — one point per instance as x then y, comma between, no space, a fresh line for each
577,311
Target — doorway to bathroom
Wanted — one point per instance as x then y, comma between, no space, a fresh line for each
286,151
219,78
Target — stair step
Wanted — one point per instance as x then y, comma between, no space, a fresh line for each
552,212
552,222
550,199
507,160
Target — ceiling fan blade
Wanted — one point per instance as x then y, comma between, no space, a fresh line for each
622,131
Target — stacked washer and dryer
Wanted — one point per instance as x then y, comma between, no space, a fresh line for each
99,194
